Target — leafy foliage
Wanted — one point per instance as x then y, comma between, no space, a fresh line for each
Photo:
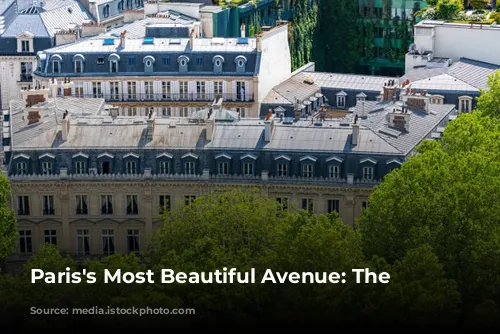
8,224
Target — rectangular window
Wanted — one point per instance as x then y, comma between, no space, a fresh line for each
200,90
184,112
114,90
81,205
106,204
341,101
166,61
166,89
131,60
108,242
26,71
333,172
100,60
132,111
55,66
78,89
183,90
166,111
132,90
131,167
164,167
148,90
133,241
242,112
78,66
22,168
48,205
188,200
50,237
96,89
80,167
282,203
308,205
83,242
113,66
248,169
364,205
307,170
25,242
241,91
189,168
164,203
199,61
132,207
46,167
333,205
282,169
25,46
23,206
218,89
368,173
223,168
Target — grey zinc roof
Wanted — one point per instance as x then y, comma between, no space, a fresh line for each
159,45
473,72
43,135
30,23
292,90
443,82
422,73
63,14
421,125
4,4
349,81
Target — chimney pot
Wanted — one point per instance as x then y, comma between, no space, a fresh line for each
355,134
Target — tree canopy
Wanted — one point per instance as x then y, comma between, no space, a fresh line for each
8,223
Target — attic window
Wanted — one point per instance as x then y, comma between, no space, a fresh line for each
309,81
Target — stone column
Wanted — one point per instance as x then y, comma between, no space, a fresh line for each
65,245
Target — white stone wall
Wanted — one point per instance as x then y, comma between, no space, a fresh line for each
10,72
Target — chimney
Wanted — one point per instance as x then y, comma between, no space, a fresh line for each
210,129
269,125
151,125
65,126
113,111
259,42
32,96
355,132
389,91
191,39
33,115
67,87
243,30
123,39
400,119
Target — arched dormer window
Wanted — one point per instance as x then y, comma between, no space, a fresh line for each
218,62
148,63
78,60
113,62
464,104
56,63
183,63
105,11
241,62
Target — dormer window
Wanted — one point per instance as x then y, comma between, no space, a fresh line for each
282,164
341,99
361,97
105,163
437,99
47,163
78,60
240,64
334,164
105,11
367,173
183,63
368,170
190,163
21,168
218,61
308,166
25,46
120,6
131,163
113,62
148,63
223,161
464,104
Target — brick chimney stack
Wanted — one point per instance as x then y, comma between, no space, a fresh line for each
389,90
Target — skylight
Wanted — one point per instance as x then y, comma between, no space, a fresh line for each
148,40
108,41
242,40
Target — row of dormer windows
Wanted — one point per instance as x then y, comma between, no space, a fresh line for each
148,61
191,166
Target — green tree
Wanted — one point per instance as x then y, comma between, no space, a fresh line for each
447,9
489,100
8,225
445,196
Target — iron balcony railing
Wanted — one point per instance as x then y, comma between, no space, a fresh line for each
192,97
